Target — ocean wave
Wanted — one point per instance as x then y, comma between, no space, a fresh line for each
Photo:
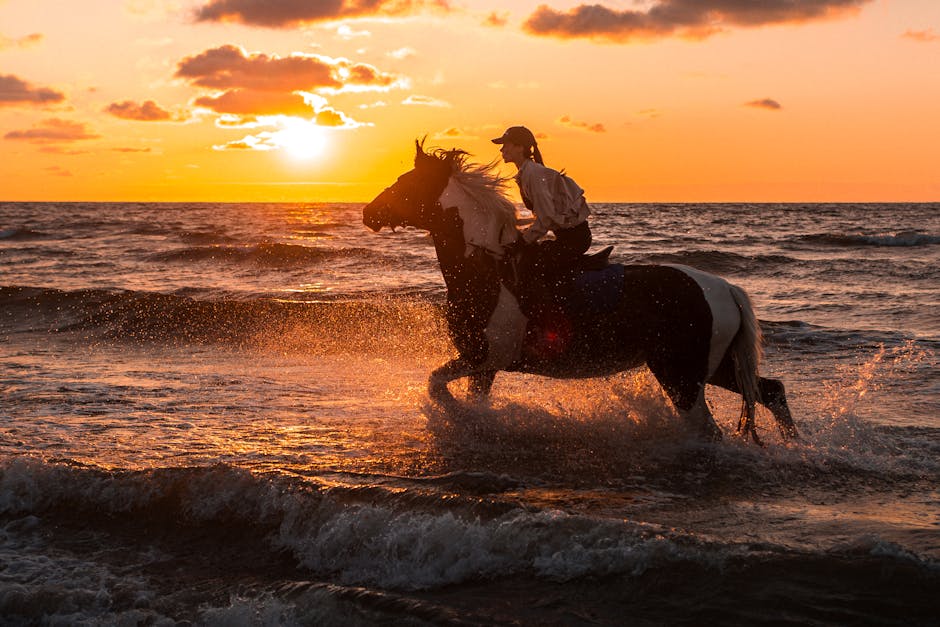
353,536
371,536
380,324
207,237
797,335
265,254
720,262
901,239
21,234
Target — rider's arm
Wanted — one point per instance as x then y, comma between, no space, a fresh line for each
536,183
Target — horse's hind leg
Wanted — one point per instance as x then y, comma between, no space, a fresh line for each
699,416
774,397
688,396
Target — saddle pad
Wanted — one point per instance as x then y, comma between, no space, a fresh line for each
595,292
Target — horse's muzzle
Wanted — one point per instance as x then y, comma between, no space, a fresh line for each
375,216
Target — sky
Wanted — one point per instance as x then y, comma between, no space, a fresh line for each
322,100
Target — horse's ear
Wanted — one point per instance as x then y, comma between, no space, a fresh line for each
419,149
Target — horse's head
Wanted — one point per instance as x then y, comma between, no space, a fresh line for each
409,201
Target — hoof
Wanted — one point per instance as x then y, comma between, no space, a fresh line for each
789,432
478,400
439,392
712,433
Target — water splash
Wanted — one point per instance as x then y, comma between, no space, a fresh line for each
842,437
856,387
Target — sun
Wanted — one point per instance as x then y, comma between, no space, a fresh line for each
301,139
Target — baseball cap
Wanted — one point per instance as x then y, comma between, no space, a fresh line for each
519,135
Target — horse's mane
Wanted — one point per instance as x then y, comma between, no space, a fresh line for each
481,182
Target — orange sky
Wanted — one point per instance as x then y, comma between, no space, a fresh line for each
655,100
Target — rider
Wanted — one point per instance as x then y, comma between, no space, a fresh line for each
558,205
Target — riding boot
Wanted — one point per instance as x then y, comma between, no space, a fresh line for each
530,297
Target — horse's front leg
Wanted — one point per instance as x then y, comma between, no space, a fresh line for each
454,369
480,385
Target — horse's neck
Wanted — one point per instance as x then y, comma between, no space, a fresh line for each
466,277
482,228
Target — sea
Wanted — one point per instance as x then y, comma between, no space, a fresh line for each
217,414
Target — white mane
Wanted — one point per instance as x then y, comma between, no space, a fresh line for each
479,194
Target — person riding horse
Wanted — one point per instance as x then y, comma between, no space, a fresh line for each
559,206
689,327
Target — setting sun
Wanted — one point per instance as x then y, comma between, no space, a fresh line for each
301,139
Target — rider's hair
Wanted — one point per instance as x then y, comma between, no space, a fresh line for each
532,152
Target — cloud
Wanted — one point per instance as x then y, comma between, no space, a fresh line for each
402,53
258,84
248,143
424,101
55,170
292,13
231,68
331,117
682,18
238,121
296,136
278,97
496,20
345,31
923,36
152,10
33,39
57,149
584,126
453,133
53,130
132,149
764,103
148,111
248,103
16,91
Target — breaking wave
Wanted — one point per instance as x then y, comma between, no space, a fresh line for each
900,239
369,535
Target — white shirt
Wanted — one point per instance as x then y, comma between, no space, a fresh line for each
540,185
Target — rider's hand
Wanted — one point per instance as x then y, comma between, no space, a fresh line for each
515,247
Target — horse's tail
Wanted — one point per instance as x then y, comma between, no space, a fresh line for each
746,353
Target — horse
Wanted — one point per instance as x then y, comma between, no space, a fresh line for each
689,327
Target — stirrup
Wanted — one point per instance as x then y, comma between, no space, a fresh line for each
595,261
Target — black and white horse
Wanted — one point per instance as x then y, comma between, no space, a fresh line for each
689,327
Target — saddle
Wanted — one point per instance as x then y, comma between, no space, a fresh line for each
594,261
538,296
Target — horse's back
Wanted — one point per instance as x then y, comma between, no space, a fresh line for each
596,292
621,316
651,296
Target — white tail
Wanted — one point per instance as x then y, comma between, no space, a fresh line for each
746,353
